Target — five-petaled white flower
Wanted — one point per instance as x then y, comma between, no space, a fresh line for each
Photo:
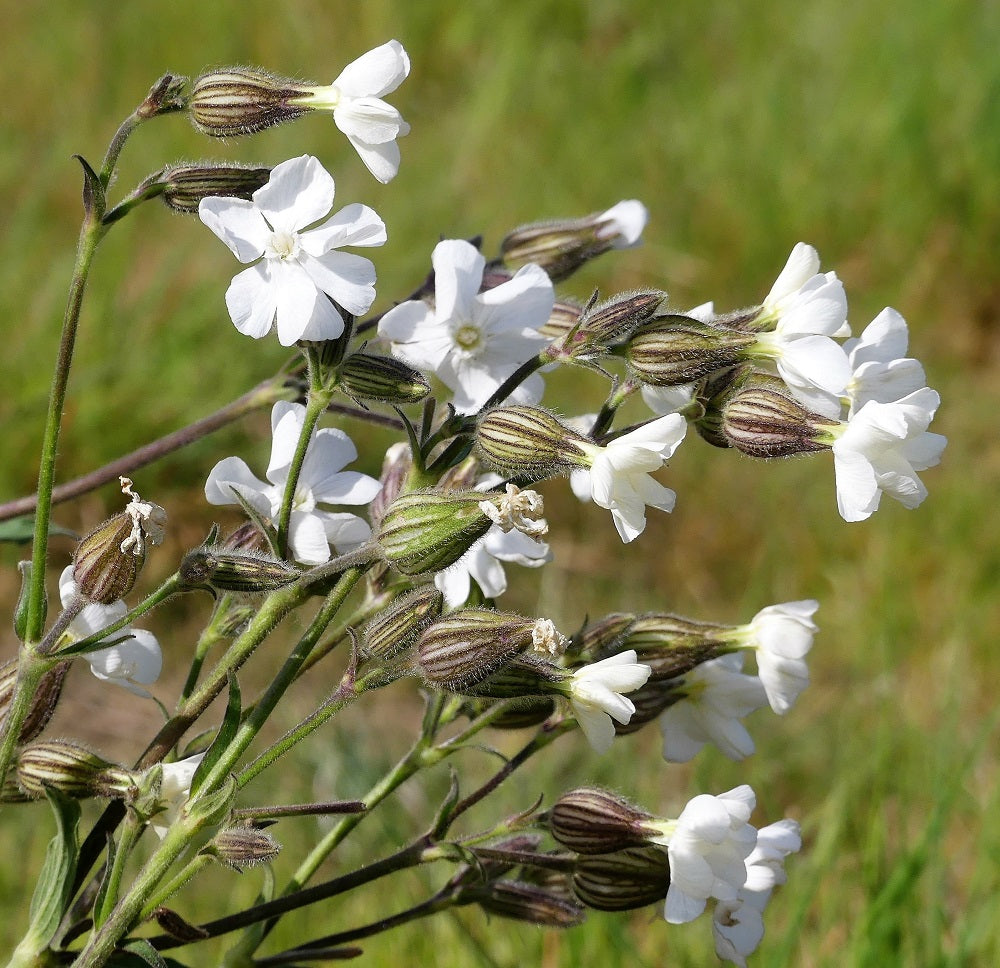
803,310
881,448
881,371
707,847
738,925
299,276
132,663
355,98
473,341
595,694
781,636
322,481
619,472
716,695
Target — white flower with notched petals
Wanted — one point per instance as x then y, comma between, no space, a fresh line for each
311,530
881,448
716,695
707,847
297,275
781,636
803,310
619,472
355,98
473,341
132,663
880,369
596,691
738,925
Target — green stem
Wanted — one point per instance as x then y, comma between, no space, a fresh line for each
112,885
197,863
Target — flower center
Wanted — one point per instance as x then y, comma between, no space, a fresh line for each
468,337
303,500
284,245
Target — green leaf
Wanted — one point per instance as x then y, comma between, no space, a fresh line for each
226,734
147,953
21,530
106,895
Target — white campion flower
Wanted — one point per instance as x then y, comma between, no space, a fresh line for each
880,369
311,530
473,341
619,473
716,695
738,925
623,224
355,98
595,693
132,663
175,788
781,636
880,450
663,400
803,310
707,846
295,268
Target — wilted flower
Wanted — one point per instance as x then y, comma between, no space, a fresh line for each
175,788
299,277
311,531
473,341
132,663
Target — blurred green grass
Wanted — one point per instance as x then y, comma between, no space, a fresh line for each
871,131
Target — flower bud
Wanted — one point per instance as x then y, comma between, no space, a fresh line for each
467,647
240,100
671,645
624,880
561,247
526,902
395,629
184,186
673,350
522,677
531,711
425,531
72,770
763,419
593,821
101,570
235,571
528,439
602,638
365,376
43,702
243,847
564,316
612,321
245,538
395,468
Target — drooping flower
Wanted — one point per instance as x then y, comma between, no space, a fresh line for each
297,276
881,371
880,450
781,636
803,310
175,788
619,473
596,695
708,846
473,341
715,696
132,663
738,925
311,530
355,98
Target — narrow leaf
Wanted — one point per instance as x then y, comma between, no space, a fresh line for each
226,734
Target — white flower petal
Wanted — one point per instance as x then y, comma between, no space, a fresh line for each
382,160
354,224
238,223
377,72
299,192
252,301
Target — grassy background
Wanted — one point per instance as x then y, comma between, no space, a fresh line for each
871,131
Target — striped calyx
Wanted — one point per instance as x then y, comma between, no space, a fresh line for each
529,440
589,820
624,880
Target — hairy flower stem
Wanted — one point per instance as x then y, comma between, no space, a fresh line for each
316,403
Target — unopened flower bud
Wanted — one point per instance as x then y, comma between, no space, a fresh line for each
235,571
425,531
763,419
593,821
72,770
396,628
101,570
246,538
529,439
240,100
526,902
465,648
395,467
561,247
365,376
184,186
612,321
671,645
602,638
43,702
243,847
673,350
530,711
624,880
520,678
564,316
